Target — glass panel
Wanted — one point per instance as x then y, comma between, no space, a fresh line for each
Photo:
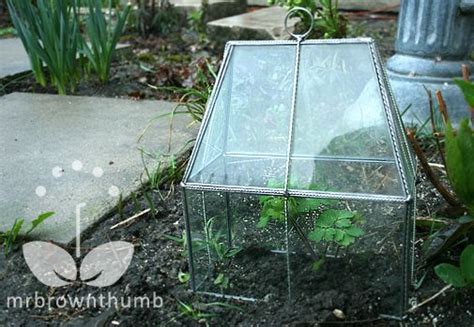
250,121
231,255
351,253
340,122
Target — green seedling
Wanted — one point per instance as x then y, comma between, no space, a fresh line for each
216,242
222,281
11,236
183,277
273,208
462,276
337,226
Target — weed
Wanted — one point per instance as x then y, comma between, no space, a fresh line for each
337,226
200,311
9,237
7,32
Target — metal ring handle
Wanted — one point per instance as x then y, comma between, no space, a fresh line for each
290,14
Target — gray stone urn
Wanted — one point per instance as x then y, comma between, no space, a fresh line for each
434,39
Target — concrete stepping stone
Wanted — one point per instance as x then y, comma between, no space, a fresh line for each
262,24
57,152
216,8
385,5
14,59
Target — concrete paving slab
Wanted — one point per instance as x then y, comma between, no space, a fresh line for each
262,24
14,59
384,5
216,8
57,152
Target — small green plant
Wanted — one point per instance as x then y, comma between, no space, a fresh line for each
183,277
339,226
50,34
330,225
328,22
193,99
200,312
9,237
216,242
102,38
455,148
197,20
222,281
7,32
462,276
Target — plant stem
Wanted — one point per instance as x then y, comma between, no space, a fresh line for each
429,172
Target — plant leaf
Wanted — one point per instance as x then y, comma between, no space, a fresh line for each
41,218
355,231
105,264
467,263
50,264
316,235
327,218
450,274
460,162
467,89
343,223
339,235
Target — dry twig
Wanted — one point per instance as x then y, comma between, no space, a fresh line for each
126,221
429,172
431,298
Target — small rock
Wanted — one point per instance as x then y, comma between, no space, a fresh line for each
339,314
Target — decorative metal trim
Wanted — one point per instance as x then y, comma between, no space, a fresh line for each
389,117
296,193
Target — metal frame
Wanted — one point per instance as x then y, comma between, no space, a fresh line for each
404,160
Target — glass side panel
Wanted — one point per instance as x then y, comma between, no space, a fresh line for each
230,253
246,139
341,136
350,252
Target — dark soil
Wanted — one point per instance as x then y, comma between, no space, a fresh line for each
158,260
154,61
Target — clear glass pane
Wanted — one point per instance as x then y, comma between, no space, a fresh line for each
349,252
228,245
248,132
341,136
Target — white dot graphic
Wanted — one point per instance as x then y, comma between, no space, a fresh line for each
98,172
40,191
77,165
114,191
57,171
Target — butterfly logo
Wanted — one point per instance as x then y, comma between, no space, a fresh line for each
55,267
101,267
